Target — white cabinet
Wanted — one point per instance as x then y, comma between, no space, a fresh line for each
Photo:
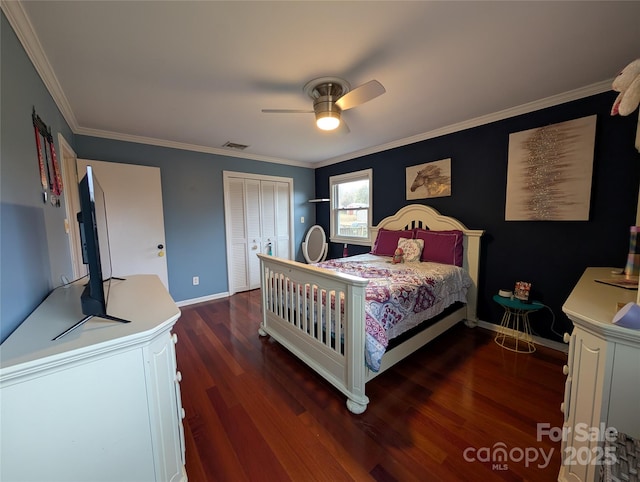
103,402
602,390
165,407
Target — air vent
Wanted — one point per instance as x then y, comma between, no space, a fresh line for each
234,145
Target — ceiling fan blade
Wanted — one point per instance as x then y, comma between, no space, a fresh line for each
287,111
360,95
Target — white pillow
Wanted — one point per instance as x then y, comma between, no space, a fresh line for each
412,249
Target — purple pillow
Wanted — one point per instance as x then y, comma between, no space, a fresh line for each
387,241
441,246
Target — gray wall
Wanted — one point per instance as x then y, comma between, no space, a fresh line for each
33,244
34,248
193,205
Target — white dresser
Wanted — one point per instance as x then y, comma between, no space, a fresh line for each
103,402
602,389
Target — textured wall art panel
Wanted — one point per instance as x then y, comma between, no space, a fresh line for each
549,172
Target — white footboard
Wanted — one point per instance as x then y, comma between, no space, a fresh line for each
297,302
318,315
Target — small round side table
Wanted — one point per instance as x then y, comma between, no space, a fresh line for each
515,331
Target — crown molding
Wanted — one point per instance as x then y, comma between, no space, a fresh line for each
593,89
22,26
186,147
19,21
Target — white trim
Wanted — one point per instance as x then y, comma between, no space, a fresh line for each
345,178
202,299
185,147
68,162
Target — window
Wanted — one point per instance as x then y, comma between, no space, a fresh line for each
351,207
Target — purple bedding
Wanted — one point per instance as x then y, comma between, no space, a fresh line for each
400,296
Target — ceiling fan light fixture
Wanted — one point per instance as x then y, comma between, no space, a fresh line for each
327,113
328,121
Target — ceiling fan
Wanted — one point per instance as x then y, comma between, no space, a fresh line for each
331,96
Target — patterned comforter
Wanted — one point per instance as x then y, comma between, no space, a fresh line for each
400,296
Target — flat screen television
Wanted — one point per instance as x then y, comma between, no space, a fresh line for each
94,238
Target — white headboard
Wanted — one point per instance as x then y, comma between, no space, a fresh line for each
421,216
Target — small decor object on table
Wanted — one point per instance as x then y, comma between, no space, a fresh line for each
632,267
515,331
522,290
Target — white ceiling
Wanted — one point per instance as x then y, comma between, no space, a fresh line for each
197,74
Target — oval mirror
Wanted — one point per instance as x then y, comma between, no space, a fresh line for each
314,247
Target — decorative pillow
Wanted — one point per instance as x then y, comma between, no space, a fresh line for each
441,246
412,249
387,241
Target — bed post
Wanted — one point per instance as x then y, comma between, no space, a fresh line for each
354,347
471,263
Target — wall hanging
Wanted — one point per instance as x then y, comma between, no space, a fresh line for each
50,177
432,179
549,172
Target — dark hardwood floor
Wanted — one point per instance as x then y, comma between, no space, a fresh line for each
449,412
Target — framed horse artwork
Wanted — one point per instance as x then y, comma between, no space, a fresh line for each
432,179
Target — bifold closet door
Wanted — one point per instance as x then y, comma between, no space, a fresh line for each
254,237
275,217
236,229
258,213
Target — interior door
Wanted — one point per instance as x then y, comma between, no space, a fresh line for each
134,216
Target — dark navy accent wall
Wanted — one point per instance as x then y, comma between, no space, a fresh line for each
550,254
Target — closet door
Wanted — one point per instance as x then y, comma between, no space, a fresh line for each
282,210
275,217
257,214
237,235
269,215
254,238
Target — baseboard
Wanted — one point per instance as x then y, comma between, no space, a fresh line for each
202,299
538,340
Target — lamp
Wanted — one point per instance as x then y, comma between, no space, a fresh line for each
327,113
327,121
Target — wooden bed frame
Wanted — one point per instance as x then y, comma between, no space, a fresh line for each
288,289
